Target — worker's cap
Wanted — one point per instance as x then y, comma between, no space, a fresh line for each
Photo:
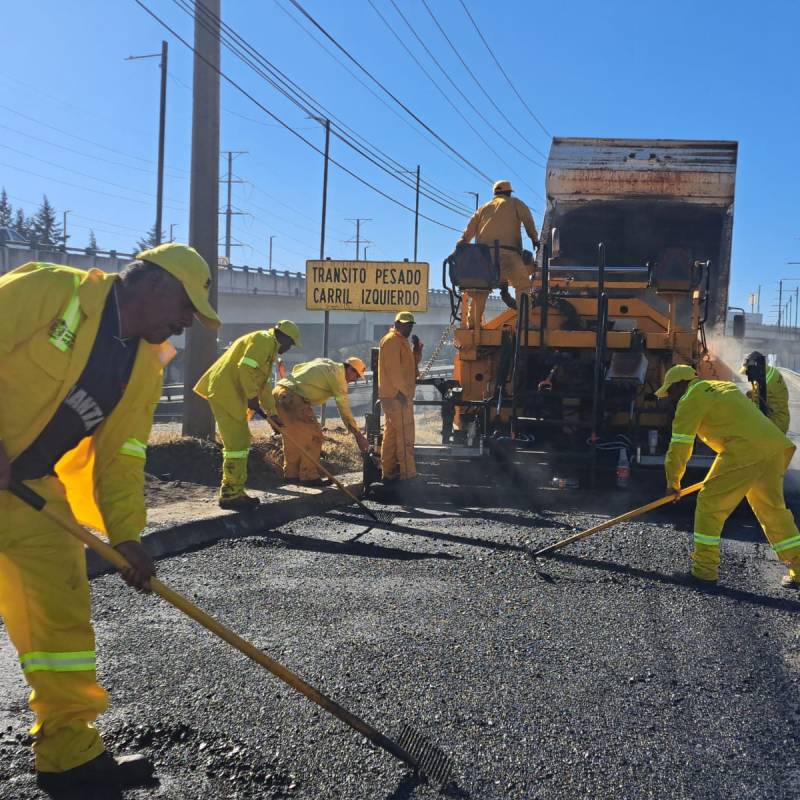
676,374
357,364
190,268
502,186
752,360
290,329
404,316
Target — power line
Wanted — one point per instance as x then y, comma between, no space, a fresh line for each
305,102
500,67
394,97
287,127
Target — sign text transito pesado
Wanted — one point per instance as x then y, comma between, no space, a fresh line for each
366,286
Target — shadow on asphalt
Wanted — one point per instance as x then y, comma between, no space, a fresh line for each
766,601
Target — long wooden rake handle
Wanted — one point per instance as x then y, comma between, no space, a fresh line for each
27,495
622,518
332,477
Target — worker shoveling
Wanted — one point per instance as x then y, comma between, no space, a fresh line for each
413,748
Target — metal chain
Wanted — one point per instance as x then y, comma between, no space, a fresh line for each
447,334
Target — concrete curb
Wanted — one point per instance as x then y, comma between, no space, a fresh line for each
175,539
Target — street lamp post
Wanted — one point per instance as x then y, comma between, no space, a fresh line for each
64,235
475,195
270,251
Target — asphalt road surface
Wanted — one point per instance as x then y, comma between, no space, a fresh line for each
596,674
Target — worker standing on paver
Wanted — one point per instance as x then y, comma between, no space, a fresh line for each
82,355
313,383
752,457
240,380
768,389
499,221
398,369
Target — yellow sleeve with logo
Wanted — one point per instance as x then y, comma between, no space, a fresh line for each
688,417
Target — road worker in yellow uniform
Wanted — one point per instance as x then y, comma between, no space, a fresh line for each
81,360
398,368
237,385
752,457
499,221
773,400
313,383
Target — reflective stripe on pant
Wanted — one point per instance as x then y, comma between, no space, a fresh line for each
45,604
302,426
235,435
727,483
397,450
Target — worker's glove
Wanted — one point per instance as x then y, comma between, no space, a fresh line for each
255,406
673,493
141,567
361,440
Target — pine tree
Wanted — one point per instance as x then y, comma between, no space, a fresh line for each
148,241
46,230
6,212
22,224
92,241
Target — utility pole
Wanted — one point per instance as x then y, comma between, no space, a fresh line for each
780,303
162,121
172,227
201,344
758,306
365,254
357,240
416,218
64,228
270,251
475,195
229,212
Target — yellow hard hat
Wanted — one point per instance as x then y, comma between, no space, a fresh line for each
190,268
502,186
357,364
676,374
404,316
290,329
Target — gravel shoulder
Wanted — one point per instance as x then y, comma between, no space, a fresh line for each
594,674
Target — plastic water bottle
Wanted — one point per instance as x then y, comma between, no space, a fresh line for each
623,469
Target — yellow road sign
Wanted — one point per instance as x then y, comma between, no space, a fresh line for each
366,286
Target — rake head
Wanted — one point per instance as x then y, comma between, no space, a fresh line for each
428,759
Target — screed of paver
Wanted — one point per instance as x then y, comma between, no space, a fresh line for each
594,674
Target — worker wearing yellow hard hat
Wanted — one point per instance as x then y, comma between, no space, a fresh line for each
752,457
499,221
311,384
82,355
768,389
398,368
238,384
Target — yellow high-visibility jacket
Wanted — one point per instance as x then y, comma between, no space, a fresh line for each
242,372
49,318
726,421
319,380
397,366
777,399
500,219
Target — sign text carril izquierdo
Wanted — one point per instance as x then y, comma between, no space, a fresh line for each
366,286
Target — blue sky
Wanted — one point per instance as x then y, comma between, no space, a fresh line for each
79,123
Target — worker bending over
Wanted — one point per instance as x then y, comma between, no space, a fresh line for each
81,360
499,221
313,384
768,389
752,457
240,380
398,368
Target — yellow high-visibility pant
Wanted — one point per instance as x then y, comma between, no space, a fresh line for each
397,450
235,434
45,604
303,431
473,307
514,272
729,481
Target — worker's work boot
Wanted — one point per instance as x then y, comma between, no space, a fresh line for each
790,582
105,771
690,579
238,502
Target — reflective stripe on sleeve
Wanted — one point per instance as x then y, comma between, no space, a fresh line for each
235,453
786,544
80,661
133,447
249,362
64,329
702,538
682,438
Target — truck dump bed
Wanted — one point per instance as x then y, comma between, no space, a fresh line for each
641,197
